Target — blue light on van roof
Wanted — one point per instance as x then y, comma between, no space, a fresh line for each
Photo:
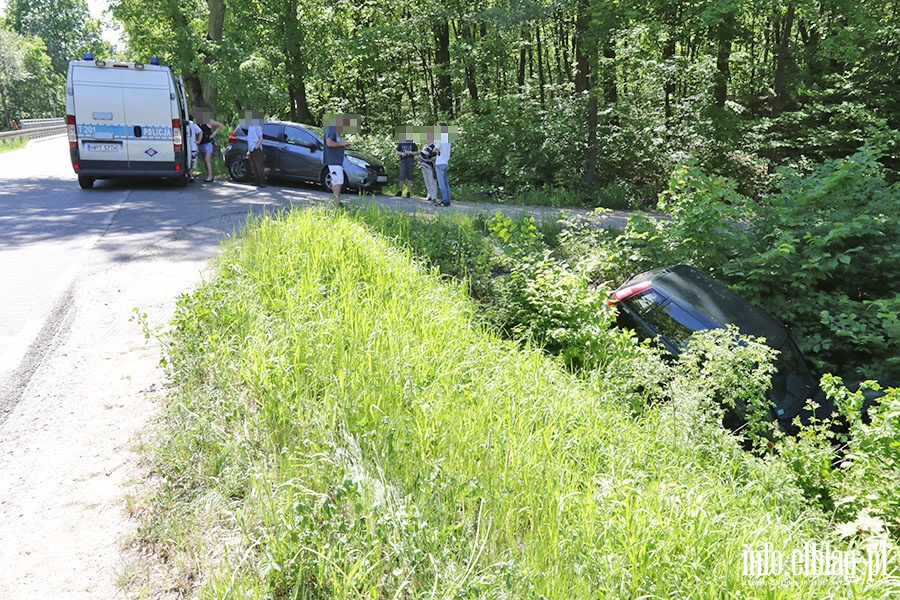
88,56
154,60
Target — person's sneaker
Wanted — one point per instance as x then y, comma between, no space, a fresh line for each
399,193
444,204
407,195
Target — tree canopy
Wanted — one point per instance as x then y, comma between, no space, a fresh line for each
603,98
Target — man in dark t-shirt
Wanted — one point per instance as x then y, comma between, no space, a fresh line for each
407,151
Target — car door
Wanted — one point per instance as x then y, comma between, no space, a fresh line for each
299,154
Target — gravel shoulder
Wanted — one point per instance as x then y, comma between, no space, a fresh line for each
66,451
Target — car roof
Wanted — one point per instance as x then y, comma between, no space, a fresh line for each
712,298
312,128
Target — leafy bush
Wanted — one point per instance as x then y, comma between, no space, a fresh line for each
831,241
856,484
734,373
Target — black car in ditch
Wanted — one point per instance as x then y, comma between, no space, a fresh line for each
671,303
294,151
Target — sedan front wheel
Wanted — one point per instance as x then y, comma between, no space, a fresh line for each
325,179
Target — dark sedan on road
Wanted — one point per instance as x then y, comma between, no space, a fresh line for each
294,151
671,303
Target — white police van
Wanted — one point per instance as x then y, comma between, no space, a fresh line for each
126,120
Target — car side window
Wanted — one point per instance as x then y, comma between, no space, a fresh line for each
270,131
299,137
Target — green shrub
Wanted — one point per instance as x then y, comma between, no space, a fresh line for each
831,244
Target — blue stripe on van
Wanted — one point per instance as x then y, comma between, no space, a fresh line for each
107,131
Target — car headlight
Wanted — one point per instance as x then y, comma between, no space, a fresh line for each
357,161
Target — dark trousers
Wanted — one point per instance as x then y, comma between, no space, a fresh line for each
258,166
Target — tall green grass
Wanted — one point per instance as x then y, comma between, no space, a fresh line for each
340,426
13,143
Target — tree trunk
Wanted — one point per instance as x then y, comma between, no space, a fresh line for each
293,42
540,58
724,35
585,58
471,83
444,89
668,55
782,60
214,27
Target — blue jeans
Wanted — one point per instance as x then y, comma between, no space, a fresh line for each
443,182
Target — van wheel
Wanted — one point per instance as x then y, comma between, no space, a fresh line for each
85,182
238,170
181,181
325,179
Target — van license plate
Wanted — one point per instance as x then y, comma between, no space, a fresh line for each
103,147
382,179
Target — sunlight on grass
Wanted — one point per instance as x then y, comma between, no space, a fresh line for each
342,427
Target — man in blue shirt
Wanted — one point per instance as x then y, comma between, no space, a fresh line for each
333,153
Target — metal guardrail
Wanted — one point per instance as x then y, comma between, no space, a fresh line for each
40,123
36,128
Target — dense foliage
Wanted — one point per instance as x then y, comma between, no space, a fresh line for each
602,99
38,38
820,254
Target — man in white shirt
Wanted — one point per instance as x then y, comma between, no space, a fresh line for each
194,134
442,147
255,148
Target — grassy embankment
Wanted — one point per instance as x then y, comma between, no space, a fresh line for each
341,427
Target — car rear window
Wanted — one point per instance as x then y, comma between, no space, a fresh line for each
674,323
644,302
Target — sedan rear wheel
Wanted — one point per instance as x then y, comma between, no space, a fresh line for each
238,169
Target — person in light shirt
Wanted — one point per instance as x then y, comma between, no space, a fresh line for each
194,133
442,162
255,152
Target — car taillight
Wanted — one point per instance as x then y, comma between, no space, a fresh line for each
72,131
231,139
177,136
627,292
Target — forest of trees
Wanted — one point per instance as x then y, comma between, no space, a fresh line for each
602,98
